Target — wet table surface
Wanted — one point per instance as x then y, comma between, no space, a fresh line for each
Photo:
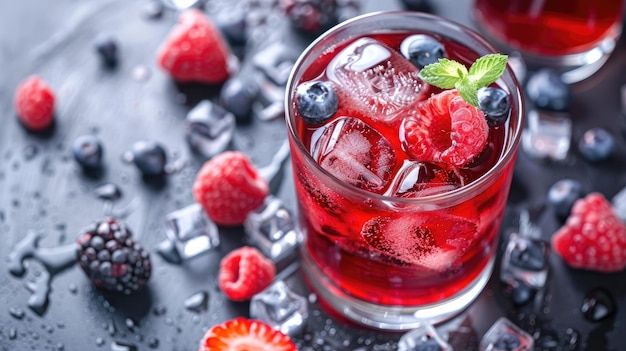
44,191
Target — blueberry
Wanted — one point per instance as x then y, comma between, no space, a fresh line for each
106,47
422,50
149,157
316,102
563,194
596,144
495,103
547,90
237,96
87,151
507,342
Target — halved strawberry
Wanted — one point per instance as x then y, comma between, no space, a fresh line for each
593,237
195,51
34,103
229,187
241,334
445,128
245,272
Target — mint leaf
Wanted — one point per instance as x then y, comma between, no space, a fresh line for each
468,91
487,69
443,74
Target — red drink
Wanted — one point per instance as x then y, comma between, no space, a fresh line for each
391,241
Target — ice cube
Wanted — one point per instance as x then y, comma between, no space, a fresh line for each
424,337
271,228
376,77
280,307
191,231
518,65
269,104
619,204
506,336
182,4
209,128
355,153
526,260
415,179
276,61
548,136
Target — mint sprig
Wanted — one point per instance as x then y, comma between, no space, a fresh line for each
448,74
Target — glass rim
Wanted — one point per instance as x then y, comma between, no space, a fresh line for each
514,88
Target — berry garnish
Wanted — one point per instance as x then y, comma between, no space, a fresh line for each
149,157
447,129
111,258
563,194
245,334
106,47
310,16
34,103
237,96
245,272
194,51
87,151
316,101
596,144
448,74
495,104
229,187
422,50
593,237
547,90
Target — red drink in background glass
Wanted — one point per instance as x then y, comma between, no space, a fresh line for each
407,241
553,32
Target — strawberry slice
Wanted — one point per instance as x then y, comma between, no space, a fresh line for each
195,51
593,237
446,129
245,272
34,103
241,334
229,187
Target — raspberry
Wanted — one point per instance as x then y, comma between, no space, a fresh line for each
34,103
229,187
195,51
111,258
245,334
593,237
446,129
245,272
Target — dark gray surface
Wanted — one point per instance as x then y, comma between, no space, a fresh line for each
48,192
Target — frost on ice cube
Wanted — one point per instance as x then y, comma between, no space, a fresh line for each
191,231
417,179
209,128
506,336
525,260
280,307
355,153
430,240
425,337
547,136
376,77
271,228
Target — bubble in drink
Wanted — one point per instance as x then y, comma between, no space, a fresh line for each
355,153
376,77
280,307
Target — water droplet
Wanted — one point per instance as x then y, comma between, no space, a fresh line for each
130,324
153,342
17,313
110,192
141,73
30,151
167,250
12,334
73,288
110,327
60,347
159,310
198,302
598,304
60,325
120,346
99,342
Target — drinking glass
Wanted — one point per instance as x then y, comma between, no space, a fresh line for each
575,37
386,261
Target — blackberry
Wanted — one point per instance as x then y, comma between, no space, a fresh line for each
110,257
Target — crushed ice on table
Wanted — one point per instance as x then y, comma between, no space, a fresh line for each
182,4
376,77
598,304
209,128
619,204
280,307
506,336
191,231
276,61
272,229
355,153
526,260
424,337
197,302
547,136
